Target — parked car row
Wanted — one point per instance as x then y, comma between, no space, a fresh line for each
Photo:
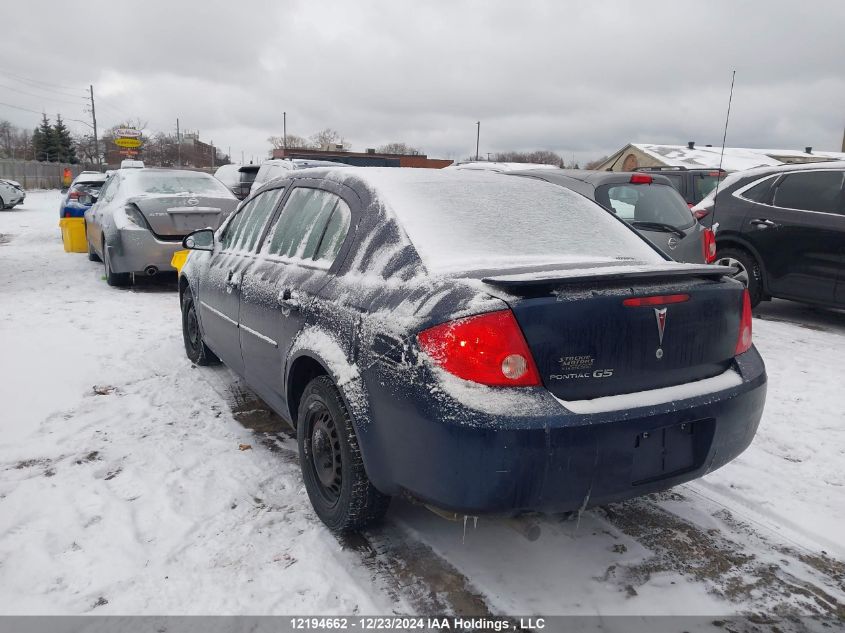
545,353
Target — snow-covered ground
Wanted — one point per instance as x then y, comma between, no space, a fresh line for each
124,489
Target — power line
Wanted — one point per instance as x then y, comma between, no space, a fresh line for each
46,98
9,105
35,81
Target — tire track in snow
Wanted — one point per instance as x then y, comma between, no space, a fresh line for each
409,570
734,560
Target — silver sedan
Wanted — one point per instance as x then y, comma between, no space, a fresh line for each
141,216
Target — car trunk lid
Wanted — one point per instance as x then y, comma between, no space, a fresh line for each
173,216
596,333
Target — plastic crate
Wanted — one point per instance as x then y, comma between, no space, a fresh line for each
73,235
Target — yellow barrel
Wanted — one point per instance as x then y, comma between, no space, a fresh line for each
73,235
178,260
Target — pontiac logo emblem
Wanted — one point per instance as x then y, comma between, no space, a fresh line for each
192,202
660,315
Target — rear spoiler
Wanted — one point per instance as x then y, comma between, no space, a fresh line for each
609,273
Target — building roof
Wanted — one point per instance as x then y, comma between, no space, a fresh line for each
735,158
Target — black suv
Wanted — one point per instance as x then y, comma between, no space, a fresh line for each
783,229
692,184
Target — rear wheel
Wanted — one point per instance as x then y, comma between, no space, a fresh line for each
332,469
747,270
195,347
113,278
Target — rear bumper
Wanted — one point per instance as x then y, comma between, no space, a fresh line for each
15,199
138,249
545,458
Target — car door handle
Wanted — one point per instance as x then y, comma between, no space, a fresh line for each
762,223
233,280
289,300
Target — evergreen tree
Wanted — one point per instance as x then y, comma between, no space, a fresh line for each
43,141
65,149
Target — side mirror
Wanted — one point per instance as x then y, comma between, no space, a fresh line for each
199,240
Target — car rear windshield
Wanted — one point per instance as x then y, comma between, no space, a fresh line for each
176,182
463,221
634,202
703,184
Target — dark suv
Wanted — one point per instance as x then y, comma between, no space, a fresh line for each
783,228
692,184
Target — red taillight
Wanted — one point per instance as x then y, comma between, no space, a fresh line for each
488,349
656,300
700,214
743,342
641,179
73,195
709,241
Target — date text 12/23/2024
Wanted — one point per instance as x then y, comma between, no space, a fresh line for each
433,623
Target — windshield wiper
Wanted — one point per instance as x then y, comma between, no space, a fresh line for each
659,226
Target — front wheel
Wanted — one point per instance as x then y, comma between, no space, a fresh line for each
195,347
332,469
747,271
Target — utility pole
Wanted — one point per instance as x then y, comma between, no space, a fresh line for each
285,131
178,145
94,120
477,137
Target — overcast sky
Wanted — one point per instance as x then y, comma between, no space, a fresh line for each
578,78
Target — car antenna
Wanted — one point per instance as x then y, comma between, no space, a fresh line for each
713,225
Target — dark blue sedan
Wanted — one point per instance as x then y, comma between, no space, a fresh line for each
482,343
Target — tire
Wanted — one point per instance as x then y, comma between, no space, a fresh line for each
2,204
118,280
748,273
92,254
195,348
332,469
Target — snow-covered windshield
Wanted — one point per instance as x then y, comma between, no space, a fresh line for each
174,182
465,220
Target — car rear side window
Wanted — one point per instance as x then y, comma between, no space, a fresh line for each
761,192
646,203
811,191
335,232
303,223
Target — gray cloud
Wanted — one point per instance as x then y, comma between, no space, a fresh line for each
580,78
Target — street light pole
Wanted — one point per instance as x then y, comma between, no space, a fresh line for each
285,131
477,137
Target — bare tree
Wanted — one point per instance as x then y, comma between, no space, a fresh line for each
593,164
294,141
399,148
327,136
544,157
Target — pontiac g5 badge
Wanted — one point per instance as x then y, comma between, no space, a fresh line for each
660,314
